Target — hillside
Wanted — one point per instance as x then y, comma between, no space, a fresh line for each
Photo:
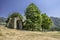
56,23
13,34
2,20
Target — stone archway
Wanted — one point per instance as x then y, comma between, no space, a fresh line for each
14,21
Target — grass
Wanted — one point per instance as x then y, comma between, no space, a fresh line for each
1,34
13,34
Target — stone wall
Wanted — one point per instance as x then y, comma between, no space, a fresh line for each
13,23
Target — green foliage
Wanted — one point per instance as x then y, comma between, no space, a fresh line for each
15,14
33,17
46,22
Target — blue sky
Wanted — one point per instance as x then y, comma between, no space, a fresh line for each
50,7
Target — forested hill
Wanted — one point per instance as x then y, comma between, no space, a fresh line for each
56,23
2,20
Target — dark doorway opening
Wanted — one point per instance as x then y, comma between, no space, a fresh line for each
17,24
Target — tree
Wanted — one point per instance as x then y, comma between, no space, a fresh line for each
33,17
15,14
46,22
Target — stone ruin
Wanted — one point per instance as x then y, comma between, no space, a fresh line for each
15,23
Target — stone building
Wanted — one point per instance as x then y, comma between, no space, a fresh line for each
15,23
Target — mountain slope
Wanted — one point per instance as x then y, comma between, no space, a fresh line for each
2,20
56,23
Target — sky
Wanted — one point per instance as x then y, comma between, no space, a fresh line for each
50,7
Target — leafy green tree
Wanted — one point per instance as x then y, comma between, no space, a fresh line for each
46,22
15,14
33,17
